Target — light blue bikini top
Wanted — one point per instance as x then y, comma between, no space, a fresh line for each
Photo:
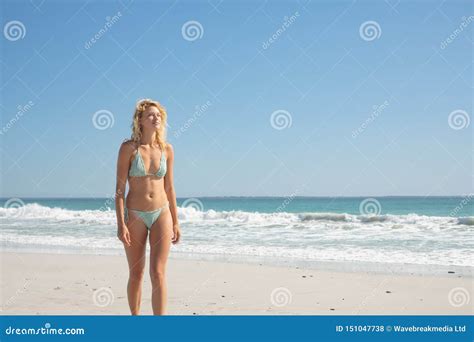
138,166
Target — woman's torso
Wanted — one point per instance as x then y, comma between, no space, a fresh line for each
147,192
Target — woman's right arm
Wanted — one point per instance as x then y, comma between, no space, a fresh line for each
122,173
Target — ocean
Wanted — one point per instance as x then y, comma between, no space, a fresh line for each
293,230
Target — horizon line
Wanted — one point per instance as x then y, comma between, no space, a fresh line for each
257,196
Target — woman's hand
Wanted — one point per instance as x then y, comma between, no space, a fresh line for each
124,235
176,234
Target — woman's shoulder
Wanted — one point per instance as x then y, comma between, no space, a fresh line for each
169,149
128,145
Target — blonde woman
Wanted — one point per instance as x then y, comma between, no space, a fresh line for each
150,210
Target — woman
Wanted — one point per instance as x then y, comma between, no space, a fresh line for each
146,161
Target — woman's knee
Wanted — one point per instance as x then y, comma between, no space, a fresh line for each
136,274
157,276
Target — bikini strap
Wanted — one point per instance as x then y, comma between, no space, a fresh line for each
138,148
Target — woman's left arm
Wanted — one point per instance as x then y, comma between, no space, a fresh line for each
170,193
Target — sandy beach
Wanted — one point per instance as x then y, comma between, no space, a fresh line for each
67,284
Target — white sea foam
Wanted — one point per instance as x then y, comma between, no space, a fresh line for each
311,236
189,214
34,211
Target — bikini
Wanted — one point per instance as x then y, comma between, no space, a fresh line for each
138,170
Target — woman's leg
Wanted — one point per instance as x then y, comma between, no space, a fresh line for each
136,261
161,234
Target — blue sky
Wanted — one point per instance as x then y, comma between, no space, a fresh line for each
363,112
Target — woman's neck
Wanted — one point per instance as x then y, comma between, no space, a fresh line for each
148,138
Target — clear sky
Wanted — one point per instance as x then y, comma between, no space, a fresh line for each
361,94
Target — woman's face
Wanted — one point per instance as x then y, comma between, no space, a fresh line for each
151,118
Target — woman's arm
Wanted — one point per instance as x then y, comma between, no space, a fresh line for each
122,173
170,193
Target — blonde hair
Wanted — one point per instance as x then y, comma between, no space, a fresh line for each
160,133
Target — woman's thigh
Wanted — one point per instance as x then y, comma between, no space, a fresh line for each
161,233
138,235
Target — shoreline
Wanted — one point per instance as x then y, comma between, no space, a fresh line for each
349,266
43,284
